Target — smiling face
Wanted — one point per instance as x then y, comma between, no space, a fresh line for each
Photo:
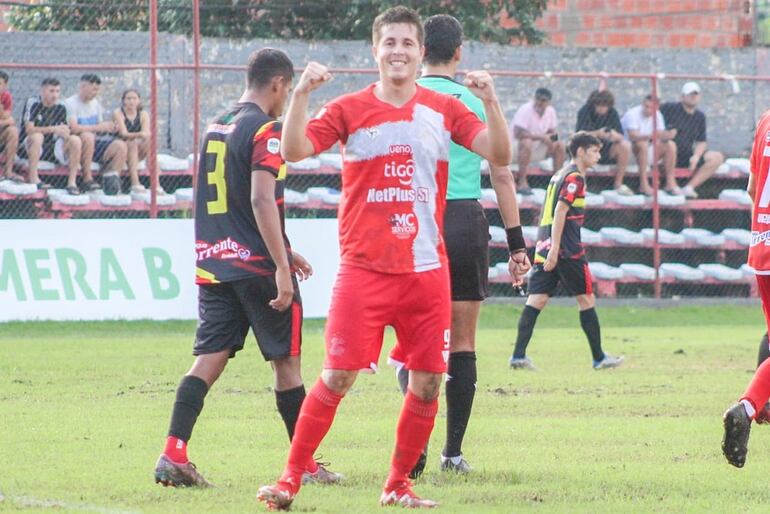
398,53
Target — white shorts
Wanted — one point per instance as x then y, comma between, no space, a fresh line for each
539,151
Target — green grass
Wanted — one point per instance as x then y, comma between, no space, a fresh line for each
84,409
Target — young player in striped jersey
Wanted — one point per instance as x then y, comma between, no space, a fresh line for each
560,256
244,263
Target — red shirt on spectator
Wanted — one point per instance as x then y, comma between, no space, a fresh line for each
6,100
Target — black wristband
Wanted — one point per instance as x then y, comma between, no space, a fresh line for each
515,239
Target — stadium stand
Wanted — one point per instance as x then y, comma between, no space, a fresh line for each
703,242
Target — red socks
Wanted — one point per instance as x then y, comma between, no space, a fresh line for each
758,391
176,450
315,418
412,433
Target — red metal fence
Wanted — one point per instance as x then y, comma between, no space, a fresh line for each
650,231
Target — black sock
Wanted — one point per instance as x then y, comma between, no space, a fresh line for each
403,379
289,402
526,325
590,323
188,405
764,350
460,390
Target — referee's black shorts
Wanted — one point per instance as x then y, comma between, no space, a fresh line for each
466,235
227,310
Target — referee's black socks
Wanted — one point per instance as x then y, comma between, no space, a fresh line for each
188,405
460,390
590,323
289,402
526,326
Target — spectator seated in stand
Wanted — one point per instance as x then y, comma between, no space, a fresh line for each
691,147
9,134
87,120
45,135
534,136
133,124
637,126
599,118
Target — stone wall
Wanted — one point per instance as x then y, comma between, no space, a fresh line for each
731,115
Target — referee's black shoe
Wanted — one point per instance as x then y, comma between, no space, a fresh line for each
420,466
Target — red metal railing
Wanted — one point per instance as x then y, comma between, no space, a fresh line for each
153,67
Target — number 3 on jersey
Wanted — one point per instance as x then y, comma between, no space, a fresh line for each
216,177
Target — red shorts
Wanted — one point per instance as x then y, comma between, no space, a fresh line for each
763,281
417,305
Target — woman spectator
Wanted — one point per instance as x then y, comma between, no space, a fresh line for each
134,128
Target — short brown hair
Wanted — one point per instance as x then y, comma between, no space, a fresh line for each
604,97
583,140
398,14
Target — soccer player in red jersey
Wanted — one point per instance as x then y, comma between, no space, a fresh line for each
737,419
245,267
395,139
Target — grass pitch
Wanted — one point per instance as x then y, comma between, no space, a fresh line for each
84,409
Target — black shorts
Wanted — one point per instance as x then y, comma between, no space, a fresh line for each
605,153
227,310
572,274
683,161
466,235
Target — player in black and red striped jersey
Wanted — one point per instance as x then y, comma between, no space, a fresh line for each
560,256
244,263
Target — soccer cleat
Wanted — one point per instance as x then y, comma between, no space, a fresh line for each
521,363
736,439
419,467
170,473
403,496
276,497
322,476
461,466
608,362
763,416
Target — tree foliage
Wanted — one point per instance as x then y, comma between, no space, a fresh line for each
300,19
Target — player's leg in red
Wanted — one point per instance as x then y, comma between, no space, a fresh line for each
422,328
415,425
173,467
315,419
289,397
353,340
737,419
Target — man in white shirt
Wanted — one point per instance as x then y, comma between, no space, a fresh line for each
637,127
534,136
86,119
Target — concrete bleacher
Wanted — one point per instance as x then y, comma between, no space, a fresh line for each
703,242
707,237
25,201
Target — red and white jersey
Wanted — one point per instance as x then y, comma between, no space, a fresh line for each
759,251
394,175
